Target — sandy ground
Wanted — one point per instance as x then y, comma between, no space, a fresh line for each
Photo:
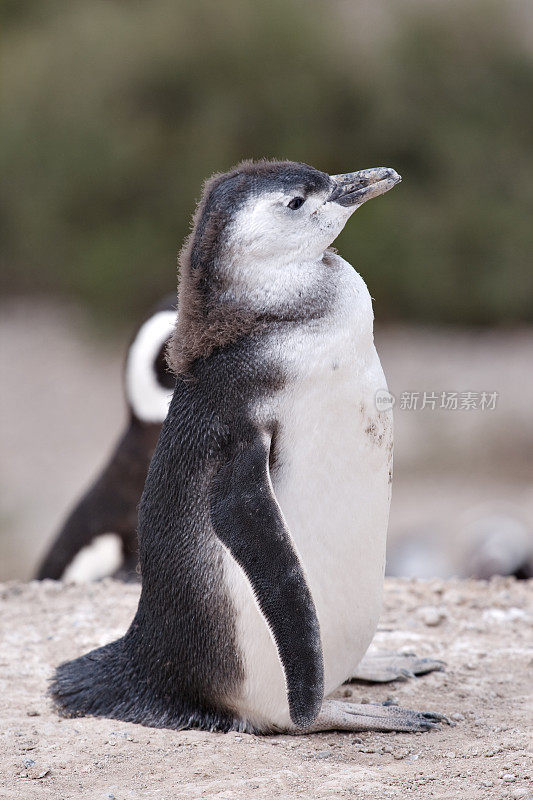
62,408
483,631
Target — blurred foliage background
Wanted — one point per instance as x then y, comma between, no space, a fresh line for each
113,114
114,111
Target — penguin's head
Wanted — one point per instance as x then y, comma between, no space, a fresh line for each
148,381
257,243
280,211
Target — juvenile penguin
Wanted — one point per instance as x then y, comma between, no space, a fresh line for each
110,504
263,519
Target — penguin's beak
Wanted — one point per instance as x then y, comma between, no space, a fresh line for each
355,188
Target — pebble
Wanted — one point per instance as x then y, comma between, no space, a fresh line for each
432,616
509,778
521,793
400,754
33,770
457,717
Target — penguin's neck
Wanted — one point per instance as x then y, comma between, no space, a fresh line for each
256,293
275,286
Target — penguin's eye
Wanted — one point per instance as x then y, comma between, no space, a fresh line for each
296,202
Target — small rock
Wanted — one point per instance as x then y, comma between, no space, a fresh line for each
42,773
347,693
400,754
33,713
509,778
432,616
29,745
33,770
520,794
457,717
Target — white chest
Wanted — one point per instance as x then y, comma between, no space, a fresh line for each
333,485
332,482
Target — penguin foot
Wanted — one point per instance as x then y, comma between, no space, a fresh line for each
383,666
336,715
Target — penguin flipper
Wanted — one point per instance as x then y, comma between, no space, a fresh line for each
247,519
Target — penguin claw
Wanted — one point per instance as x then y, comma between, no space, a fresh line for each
384,667
407,673
425,665
434,715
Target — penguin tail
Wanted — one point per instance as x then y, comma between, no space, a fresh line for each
107,683
95,684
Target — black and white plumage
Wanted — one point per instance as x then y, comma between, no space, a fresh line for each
110,504
263,519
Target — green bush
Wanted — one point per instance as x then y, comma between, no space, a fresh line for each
115,111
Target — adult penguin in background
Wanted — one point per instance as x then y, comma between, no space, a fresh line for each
263,520
110,504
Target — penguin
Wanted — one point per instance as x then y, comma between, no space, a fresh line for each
496,542
263,519
110,504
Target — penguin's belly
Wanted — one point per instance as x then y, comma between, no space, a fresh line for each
332,481
334,490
